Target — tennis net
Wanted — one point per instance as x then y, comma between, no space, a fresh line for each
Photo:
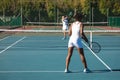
58,26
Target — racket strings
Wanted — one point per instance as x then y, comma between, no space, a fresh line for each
95,47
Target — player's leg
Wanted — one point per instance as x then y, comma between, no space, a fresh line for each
82,56
70,52
81,52
64,34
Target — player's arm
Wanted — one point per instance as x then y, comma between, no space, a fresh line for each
70,30
83,34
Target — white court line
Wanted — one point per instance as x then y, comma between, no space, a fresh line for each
11,45
4,38
31,71
98,58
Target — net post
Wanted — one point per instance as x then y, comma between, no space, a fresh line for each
90,36
90,39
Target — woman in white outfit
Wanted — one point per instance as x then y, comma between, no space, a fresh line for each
76,33
65,26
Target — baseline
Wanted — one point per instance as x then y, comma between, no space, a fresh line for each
32,71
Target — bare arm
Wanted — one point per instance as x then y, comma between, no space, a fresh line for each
83,34
70,30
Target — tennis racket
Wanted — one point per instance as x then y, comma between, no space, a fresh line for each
95,47
70,15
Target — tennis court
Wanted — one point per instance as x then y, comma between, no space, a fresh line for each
41,56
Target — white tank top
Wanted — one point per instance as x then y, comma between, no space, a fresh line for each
76,30
65,22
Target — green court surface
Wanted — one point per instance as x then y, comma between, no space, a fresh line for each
43,58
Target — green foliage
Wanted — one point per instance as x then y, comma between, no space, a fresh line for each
116,7
47,10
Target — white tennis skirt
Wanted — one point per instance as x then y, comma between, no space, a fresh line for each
65,27
75,43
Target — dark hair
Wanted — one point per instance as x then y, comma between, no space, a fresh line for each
78,16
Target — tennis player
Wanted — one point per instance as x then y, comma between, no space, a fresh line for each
76,33
65,26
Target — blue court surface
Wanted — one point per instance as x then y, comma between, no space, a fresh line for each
43,58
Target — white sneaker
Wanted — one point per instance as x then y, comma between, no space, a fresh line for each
63,38
67,71
86,70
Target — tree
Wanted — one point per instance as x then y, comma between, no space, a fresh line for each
47,9
116,8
